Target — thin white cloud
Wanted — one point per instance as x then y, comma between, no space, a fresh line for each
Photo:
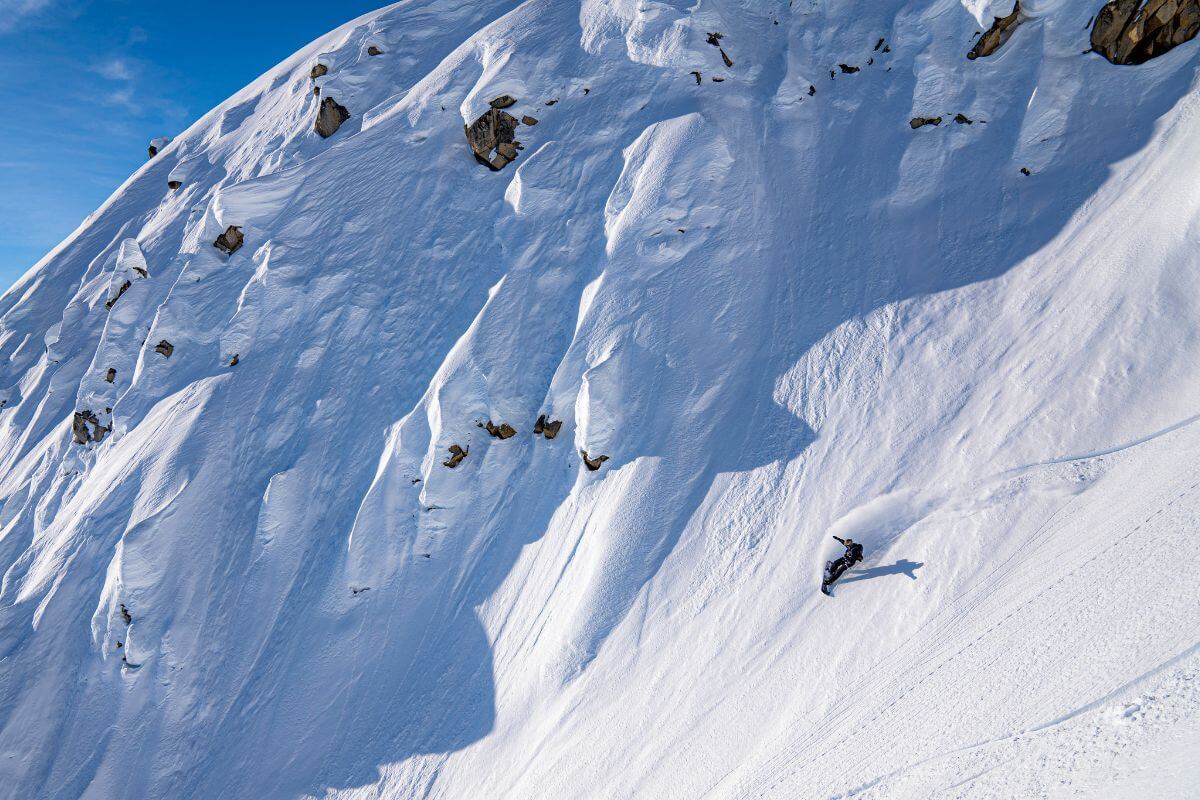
14,12
115,69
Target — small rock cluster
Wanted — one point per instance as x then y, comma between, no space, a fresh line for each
229,241
492,137
544,427
502,431
86,427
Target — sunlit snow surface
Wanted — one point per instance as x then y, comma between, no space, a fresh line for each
783,315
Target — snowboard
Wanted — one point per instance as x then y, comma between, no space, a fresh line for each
825,579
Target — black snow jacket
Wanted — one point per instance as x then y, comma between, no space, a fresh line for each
854,552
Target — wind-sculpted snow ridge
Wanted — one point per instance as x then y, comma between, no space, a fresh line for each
722,259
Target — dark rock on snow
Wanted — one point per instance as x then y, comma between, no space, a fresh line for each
111,375
373,50
318,71
592,464
164,348
330,117
847,69
174,185
486,134
503,101
112,301
918,122
1002,28
963,119
230,241
1135,31
544,427
157,145
81,431
725,57
501,431
233,362
125,615
457,454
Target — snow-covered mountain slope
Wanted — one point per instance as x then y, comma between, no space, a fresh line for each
782,313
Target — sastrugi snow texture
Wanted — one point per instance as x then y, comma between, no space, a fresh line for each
307,558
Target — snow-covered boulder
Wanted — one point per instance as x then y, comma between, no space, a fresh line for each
158,145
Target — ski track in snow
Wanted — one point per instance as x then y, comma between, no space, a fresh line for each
781,312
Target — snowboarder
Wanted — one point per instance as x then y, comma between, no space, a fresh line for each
834,569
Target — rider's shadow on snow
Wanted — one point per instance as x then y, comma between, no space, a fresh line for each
902,567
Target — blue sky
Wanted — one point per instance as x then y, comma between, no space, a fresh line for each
88,83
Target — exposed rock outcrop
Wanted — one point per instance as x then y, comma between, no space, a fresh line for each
229,241
111,375
528,120
543,427
318,70
457,454
963,119
1002,28
491,132
592,464
86,427
125,615
79,426
503,101
847,69
330,117
112,301
501,431
920,122
174,185
164,348
233,362
374,50
1135,31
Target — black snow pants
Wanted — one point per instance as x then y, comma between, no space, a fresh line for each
836,568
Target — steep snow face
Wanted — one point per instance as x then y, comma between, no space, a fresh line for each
732,268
